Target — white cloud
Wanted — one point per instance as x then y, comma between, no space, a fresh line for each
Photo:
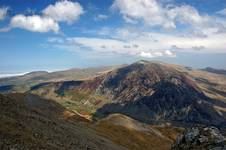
186,14
65,11
169,16
166,53
201,33
147,44
12,75
103,45
146,54
34,23
149,11
222,12
3,12
61,11
169,53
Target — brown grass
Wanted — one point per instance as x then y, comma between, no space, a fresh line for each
132,139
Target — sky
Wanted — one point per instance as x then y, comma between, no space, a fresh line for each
55,35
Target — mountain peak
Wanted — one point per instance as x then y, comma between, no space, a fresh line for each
156,92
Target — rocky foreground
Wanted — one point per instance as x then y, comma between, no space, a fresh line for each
208,138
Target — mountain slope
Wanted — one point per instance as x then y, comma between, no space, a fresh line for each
151,92
157,92
136,135
29,122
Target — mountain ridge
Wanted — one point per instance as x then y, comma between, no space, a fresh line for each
153,92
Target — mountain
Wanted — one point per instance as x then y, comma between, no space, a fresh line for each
31,122
25,82
151,92
157,92
144,105
213,70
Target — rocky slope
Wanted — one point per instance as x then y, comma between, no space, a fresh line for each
201,138
157,92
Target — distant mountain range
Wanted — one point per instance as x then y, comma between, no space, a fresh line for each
153,101
213,70
24,82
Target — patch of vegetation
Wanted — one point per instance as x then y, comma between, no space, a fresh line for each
83,101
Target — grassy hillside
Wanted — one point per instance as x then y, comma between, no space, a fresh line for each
30,122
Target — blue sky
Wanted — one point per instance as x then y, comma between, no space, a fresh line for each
53,35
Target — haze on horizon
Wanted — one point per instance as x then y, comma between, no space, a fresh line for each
53,35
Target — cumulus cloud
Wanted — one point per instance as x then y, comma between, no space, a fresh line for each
34,23
186,14
154,13
3,12
147,10
61,11
64,11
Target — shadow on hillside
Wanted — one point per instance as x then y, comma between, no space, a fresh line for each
67,85
61,86
33,105
6,88
162,107
40,85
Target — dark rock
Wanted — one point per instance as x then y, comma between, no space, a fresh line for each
199,138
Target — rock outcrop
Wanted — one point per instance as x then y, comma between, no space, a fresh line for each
199,138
